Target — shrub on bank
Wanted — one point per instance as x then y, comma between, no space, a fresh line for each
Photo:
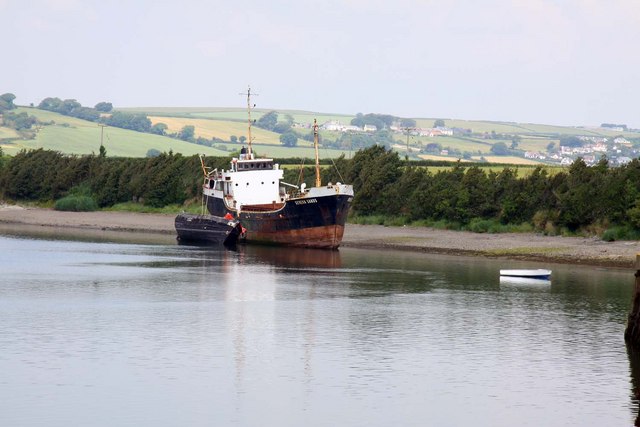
79,199
620,233
76,204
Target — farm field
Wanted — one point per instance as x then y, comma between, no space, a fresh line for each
239,114
536,143
522,128
442,158
281,152
76,136
512,160
521,171
8,133
222,129
447,142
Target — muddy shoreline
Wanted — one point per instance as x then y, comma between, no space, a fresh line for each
520,246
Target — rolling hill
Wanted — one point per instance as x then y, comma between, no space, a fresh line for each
75,136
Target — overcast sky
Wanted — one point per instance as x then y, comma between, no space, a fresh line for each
568,62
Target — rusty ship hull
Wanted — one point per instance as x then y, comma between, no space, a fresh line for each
316,222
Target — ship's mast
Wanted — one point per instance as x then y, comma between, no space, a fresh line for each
315,144
249,151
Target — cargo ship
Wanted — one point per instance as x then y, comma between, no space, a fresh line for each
272,211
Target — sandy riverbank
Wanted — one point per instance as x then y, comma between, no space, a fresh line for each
572,250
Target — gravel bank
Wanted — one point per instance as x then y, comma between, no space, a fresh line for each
529,246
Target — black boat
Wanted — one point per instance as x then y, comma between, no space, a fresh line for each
207,229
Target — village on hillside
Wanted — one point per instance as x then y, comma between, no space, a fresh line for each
618,150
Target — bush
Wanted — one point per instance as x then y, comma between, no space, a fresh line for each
76,204
620,233
479,225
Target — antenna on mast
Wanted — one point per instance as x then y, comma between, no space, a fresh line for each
249,107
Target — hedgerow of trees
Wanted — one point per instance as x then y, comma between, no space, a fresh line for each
580,198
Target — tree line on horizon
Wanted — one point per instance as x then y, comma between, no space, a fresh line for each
580,199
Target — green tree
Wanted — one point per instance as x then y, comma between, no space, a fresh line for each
159,129
233,139
153,152
380,121
6,102
289,139
20,121
372,170
282,127
515,141
50,104
433,147
570,141
104,107
137,122
500,149
407,123
187,133
242,139
268,121
439,123
68,105
583,199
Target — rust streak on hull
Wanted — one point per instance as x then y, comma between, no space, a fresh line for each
325,237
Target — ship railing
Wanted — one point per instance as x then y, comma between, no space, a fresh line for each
264,207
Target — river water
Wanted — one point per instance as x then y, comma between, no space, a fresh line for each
99,331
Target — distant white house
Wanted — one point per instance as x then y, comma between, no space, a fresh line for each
369,128
566,161
565,150
534,155
445,131
333,125
622,141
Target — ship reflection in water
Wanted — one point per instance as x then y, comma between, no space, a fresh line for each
292,257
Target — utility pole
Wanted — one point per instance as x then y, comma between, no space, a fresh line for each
408,134
101,133
103,151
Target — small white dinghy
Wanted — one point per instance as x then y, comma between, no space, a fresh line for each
538,274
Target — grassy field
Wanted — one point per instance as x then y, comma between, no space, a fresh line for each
536,143
522,128
462,144
281,152
442,158
239,114
8,133
75,136
218,128
512,160
521,171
